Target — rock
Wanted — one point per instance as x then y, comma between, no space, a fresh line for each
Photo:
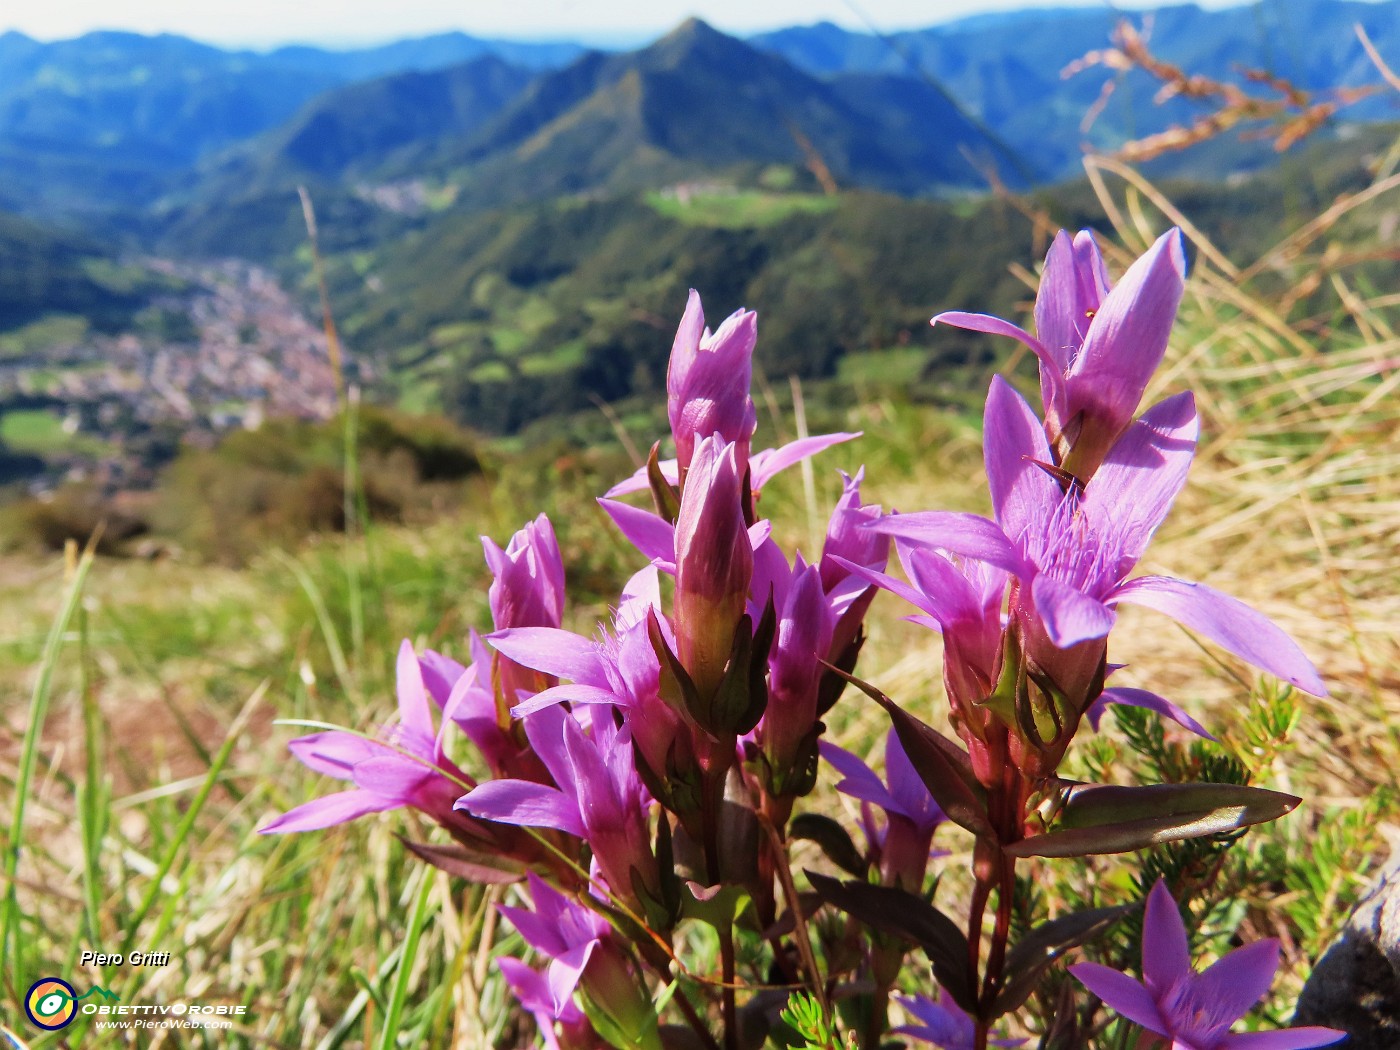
1356,984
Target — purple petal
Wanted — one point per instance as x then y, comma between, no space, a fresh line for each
928,601
523,803
531,988
440,674
561,694
638,482
1128,336
1133,489
1052,366
598,804
970,535
565,971
528,984
1122,994
766,464
994,326
414,711
544,729
944,1024
324,812
469,699
393,777
908,789
1061,317
1166,955
1238,980
654,536
1229,623
1152,702
540,927
687,342
334,752
553,651
640,593
1023,495
1287,1039
860,780
1070,616
970,590
1072,287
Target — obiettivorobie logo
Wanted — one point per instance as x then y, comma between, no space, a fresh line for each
51,1003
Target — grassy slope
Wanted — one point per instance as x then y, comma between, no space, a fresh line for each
1292,506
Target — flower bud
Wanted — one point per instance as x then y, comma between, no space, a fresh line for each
707,384
804,637
528,590
714,562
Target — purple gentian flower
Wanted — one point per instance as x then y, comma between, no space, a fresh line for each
468,699
600,797
582,951
532,992
944,1024
960,597
528,589
408,768
564,931
1097,348
1194,1010
1072,552
620,669
707,382
911,814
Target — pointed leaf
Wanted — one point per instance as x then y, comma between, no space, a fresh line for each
1038,950
467,864
898,913
763,637
832,838
942,765
1099,818
676,686
729,707
663,493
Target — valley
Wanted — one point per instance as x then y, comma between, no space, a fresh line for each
508,228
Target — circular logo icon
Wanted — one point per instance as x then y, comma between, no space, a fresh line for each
51,1003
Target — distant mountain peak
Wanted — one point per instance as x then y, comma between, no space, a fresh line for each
691,38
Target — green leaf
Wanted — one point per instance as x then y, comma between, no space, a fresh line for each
1038,950
1103,818
898,913
942,765
833,839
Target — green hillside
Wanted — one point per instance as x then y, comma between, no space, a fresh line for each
510,317
45,273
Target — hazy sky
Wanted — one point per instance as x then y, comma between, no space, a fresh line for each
264,22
